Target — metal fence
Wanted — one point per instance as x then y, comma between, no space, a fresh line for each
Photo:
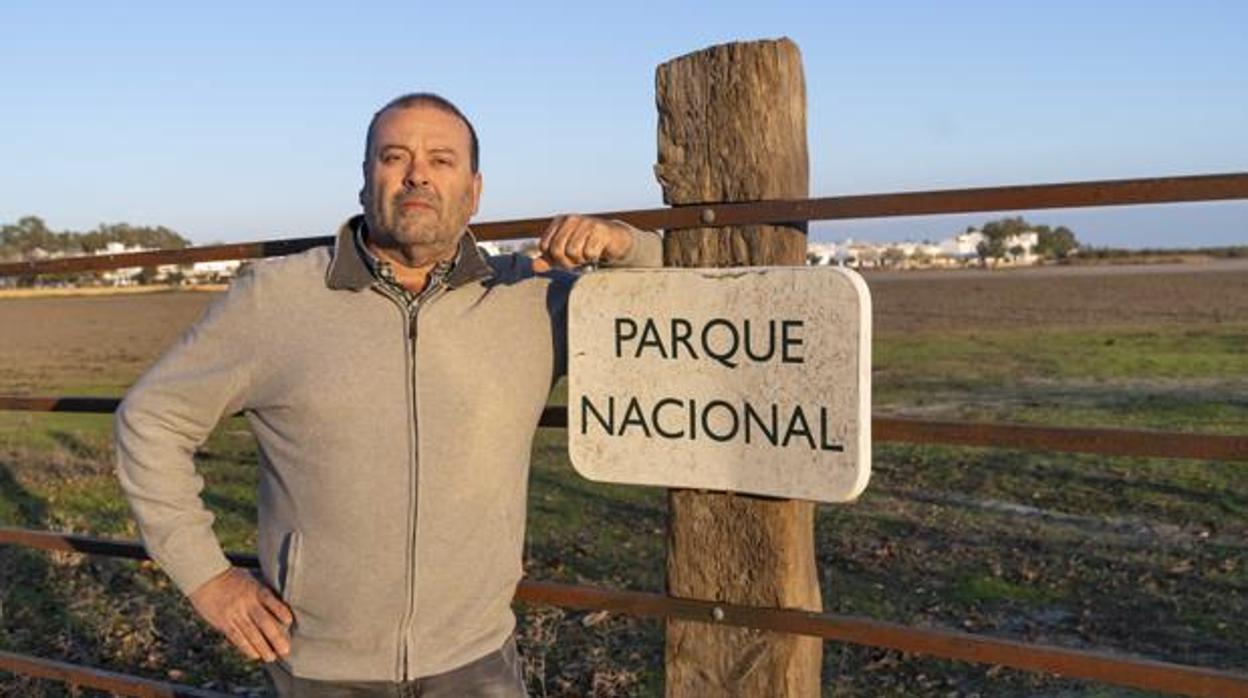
1096,666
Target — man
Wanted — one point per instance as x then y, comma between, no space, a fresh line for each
394,384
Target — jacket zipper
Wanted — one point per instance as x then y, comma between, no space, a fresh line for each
411,316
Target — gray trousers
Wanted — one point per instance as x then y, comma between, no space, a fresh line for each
496,675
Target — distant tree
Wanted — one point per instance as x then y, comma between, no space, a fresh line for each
146,275
1017,251
20,239
1005,228
1057,243
158,237
893,257
990,249
30,232
1051,243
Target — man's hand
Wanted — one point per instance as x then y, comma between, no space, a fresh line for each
246,612
572,241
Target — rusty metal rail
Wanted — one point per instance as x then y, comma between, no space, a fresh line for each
1107,442
1120,192
78,676
947,644
82,405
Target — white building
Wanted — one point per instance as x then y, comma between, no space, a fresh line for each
964,246
822,253
211,272
959,250
124,276
1027,243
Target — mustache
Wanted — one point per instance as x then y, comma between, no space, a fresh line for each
430,198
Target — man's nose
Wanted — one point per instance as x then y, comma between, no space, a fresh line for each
417,174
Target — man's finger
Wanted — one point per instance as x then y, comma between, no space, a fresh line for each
557,241
277,607
570,252
249,630
240,641
552,231
578,229
595,245
274,633
577,240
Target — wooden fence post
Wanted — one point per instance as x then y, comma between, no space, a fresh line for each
732,127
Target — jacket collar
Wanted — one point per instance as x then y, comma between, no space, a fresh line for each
348,271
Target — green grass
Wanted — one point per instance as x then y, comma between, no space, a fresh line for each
1062,354
981,588
49,431
1171,378
1062,549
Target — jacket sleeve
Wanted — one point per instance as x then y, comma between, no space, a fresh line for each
647,250
168,414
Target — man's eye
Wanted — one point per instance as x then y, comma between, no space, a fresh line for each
390,158
443,162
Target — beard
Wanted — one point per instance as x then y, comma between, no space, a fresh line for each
435,226
406,225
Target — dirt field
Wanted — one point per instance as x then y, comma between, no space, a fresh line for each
94,343
101,343
1060,296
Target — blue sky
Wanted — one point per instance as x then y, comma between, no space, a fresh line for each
235,121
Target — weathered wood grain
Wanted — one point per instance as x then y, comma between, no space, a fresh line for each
732,127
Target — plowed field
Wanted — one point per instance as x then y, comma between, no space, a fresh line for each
101,343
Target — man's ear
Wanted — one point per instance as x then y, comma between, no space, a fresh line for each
477,185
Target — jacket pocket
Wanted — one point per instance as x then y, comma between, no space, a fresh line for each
291,563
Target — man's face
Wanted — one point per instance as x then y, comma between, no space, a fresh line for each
419,188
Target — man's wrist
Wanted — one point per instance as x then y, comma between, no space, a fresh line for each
626,240
189,576
643,248
207,583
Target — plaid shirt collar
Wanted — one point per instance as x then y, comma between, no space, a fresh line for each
348,270
383,271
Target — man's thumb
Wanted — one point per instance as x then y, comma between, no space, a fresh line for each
541,265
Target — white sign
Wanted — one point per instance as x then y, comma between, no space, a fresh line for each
750,380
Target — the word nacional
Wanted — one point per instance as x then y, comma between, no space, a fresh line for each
753,380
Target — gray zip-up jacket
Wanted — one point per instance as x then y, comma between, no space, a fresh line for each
394,449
